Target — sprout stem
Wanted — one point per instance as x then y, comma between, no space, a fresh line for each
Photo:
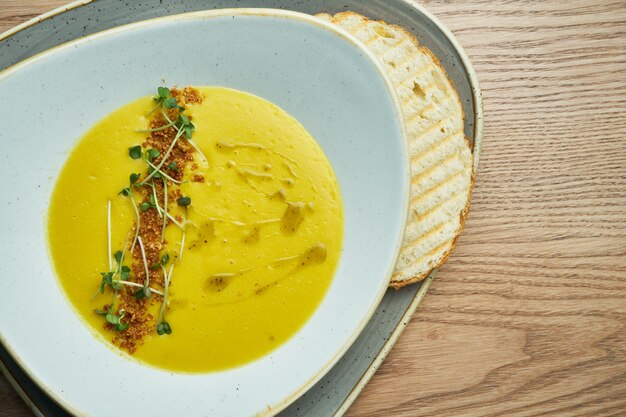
173,219
167,154
197,149
154,108
164,209
134,284
156,200
156,129
164,174
188,140
182,246
145,263
132,199
168,278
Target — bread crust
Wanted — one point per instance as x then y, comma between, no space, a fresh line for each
397,283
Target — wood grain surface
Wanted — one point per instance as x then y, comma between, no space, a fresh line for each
528,316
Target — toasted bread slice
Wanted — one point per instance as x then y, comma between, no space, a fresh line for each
440,156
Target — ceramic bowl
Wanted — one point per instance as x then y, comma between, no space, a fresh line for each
317,73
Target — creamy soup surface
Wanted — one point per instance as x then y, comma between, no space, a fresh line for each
252,240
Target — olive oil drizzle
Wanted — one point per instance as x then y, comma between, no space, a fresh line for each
227,147
315,254
231,146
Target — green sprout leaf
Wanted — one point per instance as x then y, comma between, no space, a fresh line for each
157,265
189,129
112,318
107,279
184,201
135,152
171,103
118,256
183,122
101,312
139,294
134,177
152,153
164,328
125,192
172,166
121,327
156,175
162,93
143,292
145,206
125,272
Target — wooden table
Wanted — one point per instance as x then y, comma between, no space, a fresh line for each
528,316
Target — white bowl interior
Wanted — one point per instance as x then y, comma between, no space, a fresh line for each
317,74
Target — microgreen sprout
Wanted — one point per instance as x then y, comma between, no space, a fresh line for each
176,222
153,172
172,103
107,279
114,319
135,152
182,246
154,201
163,174
152,154
165,213
128,191
183,123
163,94
184,201
193,145
156,129
163,327
162,262
167,154
122,271
163,99
136,285
148,157
146,285
143,292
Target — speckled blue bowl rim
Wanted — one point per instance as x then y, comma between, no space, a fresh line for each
341,386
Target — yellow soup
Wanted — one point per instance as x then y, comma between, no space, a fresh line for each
262,235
